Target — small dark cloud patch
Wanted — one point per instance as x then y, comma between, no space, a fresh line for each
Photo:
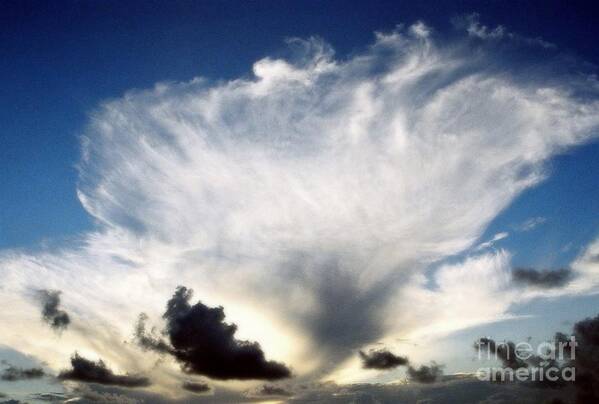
504,351
148,340
85,370
196,387
425,374
544,279
57,319
204,344
381,359
270,390
51,397
13,374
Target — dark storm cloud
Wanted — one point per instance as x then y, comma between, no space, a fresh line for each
381,359
204,344
425,374
85,370
56,318
13,374
348,315
542,278
196,387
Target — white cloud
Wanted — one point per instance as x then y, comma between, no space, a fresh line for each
586,272
472,25
489,243
530,223
301,199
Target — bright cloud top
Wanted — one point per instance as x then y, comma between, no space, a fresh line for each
302,199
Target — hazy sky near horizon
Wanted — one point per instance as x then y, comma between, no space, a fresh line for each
337,177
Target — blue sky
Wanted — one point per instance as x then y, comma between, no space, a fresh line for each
338,176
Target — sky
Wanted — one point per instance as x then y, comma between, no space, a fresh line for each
330,181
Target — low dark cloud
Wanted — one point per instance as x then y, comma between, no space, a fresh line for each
536,366
57,319
542,278
381,359
99,393
204,344
448,390
85,370
51,397
587,360
425,374
196,387
13,374
580,353
270,390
